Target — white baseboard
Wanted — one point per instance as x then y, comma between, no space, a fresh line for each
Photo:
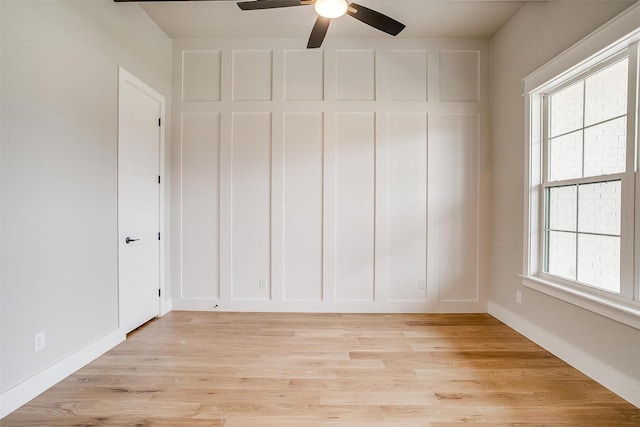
617,382
166,306
30,388
318,306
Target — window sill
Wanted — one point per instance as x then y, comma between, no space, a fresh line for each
624,312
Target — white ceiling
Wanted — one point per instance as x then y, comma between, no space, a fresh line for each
423,18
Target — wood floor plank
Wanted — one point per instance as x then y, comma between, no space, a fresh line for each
197,369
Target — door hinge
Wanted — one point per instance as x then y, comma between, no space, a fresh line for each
158,179
159,293
158,236
160,122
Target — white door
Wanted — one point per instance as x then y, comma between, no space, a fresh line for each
140,110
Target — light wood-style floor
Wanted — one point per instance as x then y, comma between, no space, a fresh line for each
306,370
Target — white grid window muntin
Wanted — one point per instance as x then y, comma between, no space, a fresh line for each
584,169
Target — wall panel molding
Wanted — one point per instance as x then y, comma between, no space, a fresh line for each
345,179
354,250
201,75
303,152
454,207
252,75
407,76
251,206
406,225
199,213
355,75
460,75
304,75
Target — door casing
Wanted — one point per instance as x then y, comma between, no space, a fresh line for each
164,307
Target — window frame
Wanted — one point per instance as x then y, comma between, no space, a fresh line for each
551,78
625,178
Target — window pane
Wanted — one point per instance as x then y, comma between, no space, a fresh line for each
565,157
605,148
600,206
606,93
563,208
561,252
599,261
566,109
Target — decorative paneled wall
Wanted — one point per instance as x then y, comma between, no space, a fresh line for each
352,178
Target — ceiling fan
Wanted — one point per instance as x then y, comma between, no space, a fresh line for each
327,10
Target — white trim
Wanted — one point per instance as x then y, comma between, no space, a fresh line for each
621,311
533,206
619,32
165,299
210,304
619,383
1,210
166,305
634,131
22,393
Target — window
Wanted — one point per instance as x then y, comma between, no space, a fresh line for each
585,145
582,242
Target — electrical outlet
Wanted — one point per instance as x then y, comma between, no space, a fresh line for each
519,297
39,341
422,284
263,284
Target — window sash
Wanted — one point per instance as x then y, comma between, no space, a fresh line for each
626,259
632,56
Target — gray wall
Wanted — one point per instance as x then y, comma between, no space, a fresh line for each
59,171
537,33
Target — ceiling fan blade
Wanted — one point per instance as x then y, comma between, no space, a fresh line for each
318,32
269,4
375,19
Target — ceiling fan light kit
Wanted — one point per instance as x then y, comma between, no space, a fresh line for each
331,8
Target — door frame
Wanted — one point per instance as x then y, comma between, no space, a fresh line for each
164,301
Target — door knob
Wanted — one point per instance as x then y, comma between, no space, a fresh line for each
129,240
